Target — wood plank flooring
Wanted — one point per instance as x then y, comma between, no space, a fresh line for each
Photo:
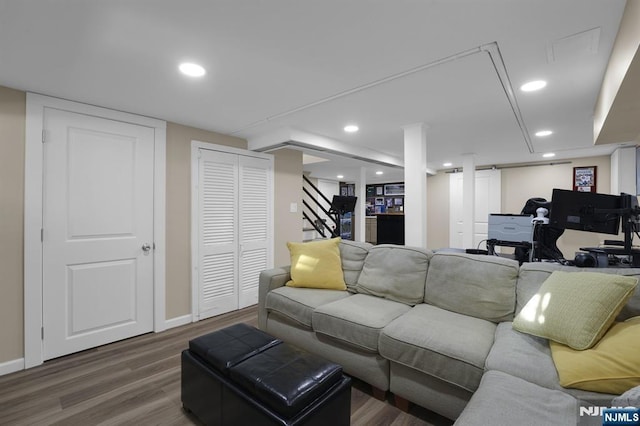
137,382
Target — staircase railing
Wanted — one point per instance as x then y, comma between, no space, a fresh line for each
310,210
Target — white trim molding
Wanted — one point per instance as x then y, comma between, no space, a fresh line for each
177,321
11,366
36,105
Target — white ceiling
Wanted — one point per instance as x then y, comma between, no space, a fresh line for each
317,65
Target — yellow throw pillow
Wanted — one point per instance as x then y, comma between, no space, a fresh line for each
611,366
316,264
575,308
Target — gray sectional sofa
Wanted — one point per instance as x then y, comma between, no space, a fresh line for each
434,329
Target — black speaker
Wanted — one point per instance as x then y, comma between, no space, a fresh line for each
585,260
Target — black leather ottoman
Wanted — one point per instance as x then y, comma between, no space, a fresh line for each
241,375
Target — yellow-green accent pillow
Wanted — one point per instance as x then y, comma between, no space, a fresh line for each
611,366
316,264
575,308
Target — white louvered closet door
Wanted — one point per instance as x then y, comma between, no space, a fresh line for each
218,237
254,201
234,229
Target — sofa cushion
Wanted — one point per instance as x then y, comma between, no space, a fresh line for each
529,358
533,274
395,272
444,344
522,355
480,286
575,308
353,254
612,365
357,320
316,264
298,303
502,399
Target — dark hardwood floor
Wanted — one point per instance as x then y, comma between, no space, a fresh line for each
137,382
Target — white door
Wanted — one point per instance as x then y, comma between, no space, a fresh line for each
217,233
234,229
487,200
254,201
97,231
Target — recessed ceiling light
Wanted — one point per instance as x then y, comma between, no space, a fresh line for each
351,128
543,133
379,172
549,155
447,164
192,70
340,176
533,85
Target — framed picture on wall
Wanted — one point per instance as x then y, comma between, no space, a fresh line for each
584,179
394,189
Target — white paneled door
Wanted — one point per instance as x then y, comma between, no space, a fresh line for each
233,213
487,200
97,231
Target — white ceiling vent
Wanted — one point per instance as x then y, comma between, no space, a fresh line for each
574,46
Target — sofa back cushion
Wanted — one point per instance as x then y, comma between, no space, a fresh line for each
532,275
395,272
480,286
353,254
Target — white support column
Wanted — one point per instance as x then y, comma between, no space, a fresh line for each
468,200
360,213
415,185
623,170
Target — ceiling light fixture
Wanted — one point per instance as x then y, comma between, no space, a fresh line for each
379,172
340,176
549,155
191,69
532,86
543,133
351,128
447,164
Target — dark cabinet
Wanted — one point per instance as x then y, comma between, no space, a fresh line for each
390,229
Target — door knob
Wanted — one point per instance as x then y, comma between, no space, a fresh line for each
146,248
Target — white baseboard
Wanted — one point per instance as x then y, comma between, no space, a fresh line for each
11,366
178,321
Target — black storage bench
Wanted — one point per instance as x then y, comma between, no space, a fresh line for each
240,375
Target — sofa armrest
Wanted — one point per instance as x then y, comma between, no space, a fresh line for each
270,279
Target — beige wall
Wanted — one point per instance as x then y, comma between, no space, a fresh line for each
518,185
288,185
178,220
12,143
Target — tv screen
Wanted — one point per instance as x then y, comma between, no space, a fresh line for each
343,203
585,211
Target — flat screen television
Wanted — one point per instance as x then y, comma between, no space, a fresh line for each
343,203
585,211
